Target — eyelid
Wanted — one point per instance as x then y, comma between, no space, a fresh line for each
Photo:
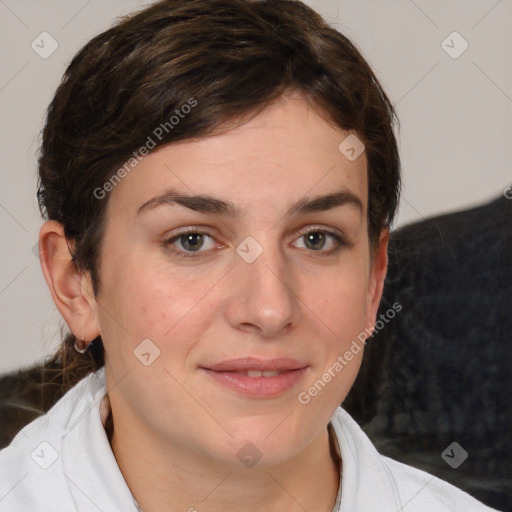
318,227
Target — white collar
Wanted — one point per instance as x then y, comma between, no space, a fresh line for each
357,452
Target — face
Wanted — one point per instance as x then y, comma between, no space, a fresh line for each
246,296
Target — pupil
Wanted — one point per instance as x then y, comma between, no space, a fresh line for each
193,240
315,238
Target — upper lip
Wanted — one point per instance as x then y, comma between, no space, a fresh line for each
252,363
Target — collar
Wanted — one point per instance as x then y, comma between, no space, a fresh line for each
366,479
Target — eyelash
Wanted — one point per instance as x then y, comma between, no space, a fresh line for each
197,254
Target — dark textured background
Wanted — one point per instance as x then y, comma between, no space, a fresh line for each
441,370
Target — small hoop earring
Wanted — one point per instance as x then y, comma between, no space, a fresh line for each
79,349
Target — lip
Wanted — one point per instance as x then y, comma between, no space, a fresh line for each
225,373
253,363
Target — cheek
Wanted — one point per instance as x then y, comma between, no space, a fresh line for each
339,298
153,301
339,302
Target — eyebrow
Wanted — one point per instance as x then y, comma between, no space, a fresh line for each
208,204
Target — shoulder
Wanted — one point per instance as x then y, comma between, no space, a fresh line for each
32,475
384,484
422,491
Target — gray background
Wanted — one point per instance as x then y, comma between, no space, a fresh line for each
455,114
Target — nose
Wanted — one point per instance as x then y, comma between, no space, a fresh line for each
262,298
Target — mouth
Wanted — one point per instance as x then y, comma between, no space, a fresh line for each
258,373
257,378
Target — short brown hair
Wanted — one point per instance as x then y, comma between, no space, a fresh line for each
232,57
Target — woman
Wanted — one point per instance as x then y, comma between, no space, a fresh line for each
219,179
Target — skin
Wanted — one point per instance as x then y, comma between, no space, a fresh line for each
177,432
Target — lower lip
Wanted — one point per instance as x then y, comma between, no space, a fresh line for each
258,387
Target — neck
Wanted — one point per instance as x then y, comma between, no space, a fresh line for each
163,477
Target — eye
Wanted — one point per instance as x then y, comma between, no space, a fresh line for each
316,239
190,241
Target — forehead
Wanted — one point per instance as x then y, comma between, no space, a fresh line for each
286,152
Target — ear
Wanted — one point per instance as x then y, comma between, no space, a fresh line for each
377,275
71,290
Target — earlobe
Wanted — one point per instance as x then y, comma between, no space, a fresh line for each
71,290
378,275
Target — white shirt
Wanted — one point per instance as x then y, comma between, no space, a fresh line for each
62,462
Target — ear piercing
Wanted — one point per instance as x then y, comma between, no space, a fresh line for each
83,348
